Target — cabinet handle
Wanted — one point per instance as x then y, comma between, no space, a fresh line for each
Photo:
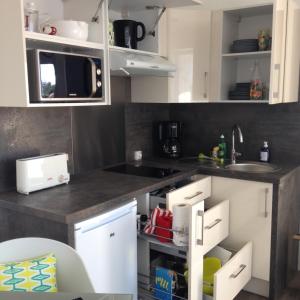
199,241
277,69
205,84
266,202
236,274
215,223
193,196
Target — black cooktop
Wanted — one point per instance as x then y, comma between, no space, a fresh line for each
143,171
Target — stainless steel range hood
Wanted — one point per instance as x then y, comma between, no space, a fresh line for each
126,63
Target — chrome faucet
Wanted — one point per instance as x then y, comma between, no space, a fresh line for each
235,154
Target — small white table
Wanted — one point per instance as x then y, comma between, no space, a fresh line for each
60,296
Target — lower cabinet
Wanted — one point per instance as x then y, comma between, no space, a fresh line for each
223,214
250,220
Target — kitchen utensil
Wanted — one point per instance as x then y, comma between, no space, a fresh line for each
138,155
167,136
126,33
244,45
52,171
31,15
210,266
180,224
67,28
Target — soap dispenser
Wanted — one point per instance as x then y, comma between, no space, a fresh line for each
265,153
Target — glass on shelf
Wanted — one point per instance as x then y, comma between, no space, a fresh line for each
256,89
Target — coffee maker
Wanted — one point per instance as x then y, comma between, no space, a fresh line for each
167,139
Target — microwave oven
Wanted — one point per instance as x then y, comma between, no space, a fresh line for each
64,77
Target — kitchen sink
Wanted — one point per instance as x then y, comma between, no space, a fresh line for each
253,167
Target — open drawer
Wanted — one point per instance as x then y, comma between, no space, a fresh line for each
215,217
233,276
215,224
190,193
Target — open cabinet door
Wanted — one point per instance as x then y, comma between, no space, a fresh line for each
292,61
278,51
195,254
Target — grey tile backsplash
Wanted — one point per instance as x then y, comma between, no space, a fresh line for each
101,136
92,136
139,119
204,123
29,132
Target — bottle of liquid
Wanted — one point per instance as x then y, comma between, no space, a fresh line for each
215,153
265,153
256,89
222,147
31,17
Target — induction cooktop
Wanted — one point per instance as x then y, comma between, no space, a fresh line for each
144,171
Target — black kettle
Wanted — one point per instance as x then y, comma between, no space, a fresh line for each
126,33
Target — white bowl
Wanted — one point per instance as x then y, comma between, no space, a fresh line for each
71,29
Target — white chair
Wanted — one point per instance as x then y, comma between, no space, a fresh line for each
71,272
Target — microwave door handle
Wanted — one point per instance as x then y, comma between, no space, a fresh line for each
94,80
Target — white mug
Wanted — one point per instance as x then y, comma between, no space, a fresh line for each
138,155
48,29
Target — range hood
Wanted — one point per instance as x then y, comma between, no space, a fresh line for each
123,63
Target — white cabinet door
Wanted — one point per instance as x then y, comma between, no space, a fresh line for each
189,49
250,218
292,61
184,37
278,51
195,253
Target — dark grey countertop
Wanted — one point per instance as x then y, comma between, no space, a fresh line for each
98,191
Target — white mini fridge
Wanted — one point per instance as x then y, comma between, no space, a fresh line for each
108,247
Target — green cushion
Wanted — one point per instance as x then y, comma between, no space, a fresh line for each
32,275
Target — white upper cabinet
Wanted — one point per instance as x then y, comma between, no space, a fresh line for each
185,40
188,48
278,55
15,82
231,67
194,35
14,74
292,58
198,40
139,5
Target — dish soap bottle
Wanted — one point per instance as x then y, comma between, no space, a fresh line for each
265,153
222,148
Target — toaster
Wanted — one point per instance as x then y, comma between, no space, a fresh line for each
41,172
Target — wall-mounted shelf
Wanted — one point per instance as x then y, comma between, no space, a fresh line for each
62,40
242,101
257,54
137,5
67,104
132,51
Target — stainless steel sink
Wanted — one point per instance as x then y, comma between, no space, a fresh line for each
253,167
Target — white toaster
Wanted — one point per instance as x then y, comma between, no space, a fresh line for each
41,172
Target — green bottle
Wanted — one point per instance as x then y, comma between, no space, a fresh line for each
222,147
